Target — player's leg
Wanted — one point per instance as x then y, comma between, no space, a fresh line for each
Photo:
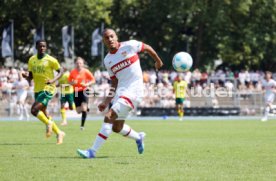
81,107
77,102
62,110
84,108
72,106
21,101
39,109
20,106
83,114
181,111
125,130
70,99
269,100
179,105
25,109
102,136
63,114
178,110
266,112
122,110
21,110
44,110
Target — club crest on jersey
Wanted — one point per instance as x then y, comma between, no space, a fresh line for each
124,53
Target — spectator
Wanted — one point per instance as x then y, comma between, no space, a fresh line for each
146,77
242,77
152,77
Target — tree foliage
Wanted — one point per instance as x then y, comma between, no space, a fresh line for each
241,33
84,15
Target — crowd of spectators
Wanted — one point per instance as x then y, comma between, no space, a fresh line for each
156,84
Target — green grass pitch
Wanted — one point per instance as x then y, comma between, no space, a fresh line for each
188,150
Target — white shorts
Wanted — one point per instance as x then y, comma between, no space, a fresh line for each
122,106
21,96
269,98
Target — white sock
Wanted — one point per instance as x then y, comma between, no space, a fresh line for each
130,133
266,111
104,133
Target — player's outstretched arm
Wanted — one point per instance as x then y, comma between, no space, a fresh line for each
153,54
111,94
58,76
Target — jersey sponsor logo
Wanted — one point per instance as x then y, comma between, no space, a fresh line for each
38,69
124,64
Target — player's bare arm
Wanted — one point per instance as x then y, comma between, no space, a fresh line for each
60,73
111,94
153,54
27,75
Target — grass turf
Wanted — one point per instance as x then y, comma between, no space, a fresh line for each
192,150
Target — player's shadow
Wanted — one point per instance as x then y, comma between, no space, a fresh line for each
70,157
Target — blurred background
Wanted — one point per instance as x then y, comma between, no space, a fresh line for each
232,43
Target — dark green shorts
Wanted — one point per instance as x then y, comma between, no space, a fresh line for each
43,97
179,100
67,98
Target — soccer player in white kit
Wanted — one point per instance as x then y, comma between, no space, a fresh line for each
21,86
269,86
123,65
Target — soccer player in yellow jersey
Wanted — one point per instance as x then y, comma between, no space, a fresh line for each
179,89
41,69
67,95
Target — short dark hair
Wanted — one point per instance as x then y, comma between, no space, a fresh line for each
106,29
39,41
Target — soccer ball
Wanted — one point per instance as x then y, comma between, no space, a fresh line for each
182,62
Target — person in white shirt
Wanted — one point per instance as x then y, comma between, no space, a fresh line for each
242,77
21,86
123,65
152,77
269,86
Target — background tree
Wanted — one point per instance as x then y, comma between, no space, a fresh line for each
241,33
84,15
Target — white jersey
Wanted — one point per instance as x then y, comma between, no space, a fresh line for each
269,86
21,89
124,64
21,86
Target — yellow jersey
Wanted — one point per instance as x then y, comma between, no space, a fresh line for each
180,88
65,87
43,70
